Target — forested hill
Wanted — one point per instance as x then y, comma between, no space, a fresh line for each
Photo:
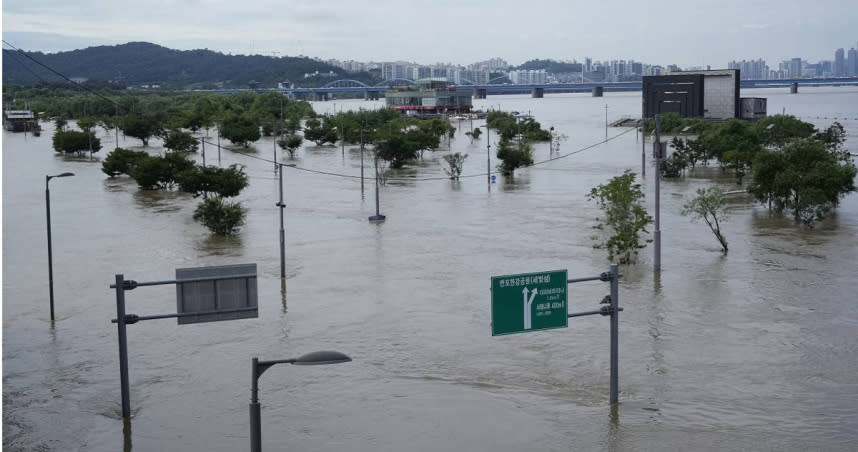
138,63
551,66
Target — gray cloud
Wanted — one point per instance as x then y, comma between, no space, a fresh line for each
668,31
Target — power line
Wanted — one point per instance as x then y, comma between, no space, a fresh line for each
420,179
83,87
326,173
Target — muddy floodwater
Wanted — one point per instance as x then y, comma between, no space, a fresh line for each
756,350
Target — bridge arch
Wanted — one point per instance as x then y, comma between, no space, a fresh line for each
345,83
499,79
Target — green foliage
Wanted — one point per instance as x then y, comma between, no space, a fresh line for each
154,172
514,155
734,143
508,126
625,217
180,141
60,123
778,130
240,129
833,139
206,180
455,162
86,124
121,161
141,127
475,134
290,143
145,63
674,165
672,123
69,141
221,217
803,177
397,150
709,205
321,132
691,151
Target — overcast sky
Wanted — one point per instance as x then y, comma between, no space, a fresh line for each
683,32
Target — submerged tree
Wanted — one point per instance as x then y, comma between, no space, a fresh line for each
121,161
180,141
625,217
804,177
221,217
290,143
240,129
455,162
206,180
514,155
708,205
69,141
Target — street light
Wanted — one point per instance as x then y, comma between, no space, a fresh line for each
259,367
488,156
282,206
50,252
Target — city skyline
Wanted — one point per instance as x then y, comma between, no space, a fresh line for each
705,35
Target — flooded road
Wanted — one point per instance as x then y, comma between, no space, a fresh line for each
756,350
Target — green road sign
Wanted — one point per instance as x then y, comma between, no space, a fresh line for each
529,302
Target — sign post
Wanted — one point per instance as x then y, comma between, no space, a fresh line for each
204,294
538,301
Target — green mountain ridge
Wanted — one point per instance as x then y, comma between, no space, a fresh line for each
137,63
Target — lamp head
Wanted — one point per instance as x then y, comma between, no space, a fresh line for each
322,357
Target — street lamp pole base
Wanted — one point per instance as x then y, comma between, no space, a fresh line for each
377,218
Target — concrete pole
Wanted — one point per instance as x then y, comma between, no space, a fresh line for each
255,410
657,232
123,347
282,206
643,151
50,251
488,159
615,316
606,122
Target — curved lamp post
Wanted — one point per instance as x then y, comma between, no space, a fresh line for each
259,367
50,253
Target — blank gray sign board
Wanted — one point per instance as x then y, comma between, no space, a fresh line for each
231,287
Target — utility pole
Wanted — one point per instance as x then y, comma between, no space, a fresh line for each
643,150
606,122
488,158
363,125
282,206
657,233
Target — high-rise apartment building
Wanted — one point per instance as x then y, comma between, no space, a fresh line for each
751,70
794,68
852,62
839,62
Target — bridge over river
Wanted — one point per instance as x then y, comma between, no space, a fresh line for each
346,86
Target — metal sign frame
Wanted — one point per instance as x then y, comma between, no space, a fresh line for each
122,319
611,309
